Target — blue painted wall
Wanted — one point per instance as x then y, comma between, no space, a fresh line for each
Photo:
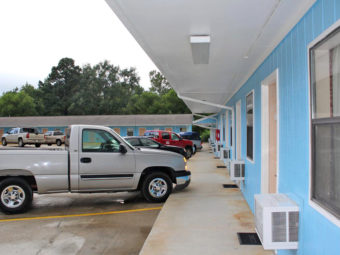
317,235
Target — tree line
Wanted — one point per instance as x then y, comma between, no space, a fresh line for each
92,90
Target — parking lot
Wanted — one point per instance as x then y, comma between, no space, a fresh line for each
116,223
103,223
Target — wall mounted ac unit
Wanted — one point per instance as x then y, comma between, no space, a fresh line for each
277,221
225,153
237,170
217,149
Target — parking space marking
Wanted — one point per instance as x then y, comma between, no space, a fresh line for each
82,215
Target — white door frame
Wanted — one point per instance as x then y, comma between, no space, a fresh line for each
272,78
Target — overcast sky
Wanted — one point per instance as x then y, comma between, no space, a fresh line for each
36,34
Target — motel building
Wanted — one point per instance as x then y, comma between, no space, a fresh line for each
268,74
124,125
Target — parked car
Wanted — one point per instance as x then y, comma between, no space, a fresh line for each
96,159
194,137
23,136
54,137
145,142
171,138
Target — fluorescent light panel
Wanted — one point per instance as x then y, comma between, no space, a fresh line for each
200,45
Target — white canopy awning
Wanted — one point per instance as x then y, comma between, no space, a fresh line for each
208,49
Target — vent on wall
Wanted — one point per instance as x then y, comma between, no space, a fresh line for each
277,221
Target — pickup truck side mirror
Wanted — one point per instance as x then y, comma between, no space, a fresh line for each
122,149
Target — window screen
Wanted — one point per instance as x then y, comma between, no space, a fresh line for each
325,95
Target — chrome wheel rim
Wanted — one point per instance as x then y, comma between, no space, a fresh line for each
13,196
158,187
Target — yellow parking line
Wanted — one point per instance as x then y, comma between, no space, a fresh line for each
82,215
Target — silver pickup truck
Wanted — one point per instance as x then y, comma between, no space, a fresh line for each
23,136
95,159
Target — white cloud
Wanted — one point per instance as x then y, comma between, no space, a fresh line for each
36,34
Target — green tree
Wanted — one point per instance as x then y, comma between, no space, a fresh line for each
159,83
14,103
36,95
58,90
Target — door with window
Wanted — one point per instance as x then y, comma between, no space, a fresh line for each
175,140
166,138
101,165
13,135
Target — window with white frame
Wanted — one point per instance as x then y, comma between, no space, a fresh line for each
250,125
325,98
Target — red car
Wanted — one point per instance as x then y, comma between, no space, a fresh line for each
171,138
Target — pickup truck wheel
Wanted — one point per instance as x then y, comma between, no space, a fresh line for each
37,145
15,195
188,152
21,142
58,143
3,142
156,187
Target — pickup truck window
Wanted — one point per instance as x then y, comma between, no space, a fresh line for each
165,135
174,137
94,140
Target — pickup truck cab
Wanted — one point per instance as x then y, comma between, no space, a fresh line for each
95,159
171,138
22,136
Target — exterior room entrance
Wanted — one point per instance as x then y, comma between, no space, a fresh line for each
269,172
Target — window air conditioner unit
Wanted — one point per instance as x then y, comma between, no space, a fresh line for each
237,170
225,153
276,221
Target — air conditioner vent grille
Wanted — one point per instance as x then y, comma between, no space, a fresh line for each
239,170
293,226
279,227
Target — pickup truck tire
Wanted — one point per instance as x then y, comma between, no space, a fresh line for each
188,151
21,142
156,187
3,142
58,143
15,195
37,145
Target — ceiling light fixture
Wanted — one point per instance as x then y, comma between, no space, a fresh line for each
200,45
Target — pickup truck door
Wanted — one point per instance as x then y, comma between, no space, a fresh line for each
13,135
166,138
175,140
101,165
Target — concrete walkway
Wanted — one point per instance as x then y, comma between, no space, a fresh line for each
204,218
